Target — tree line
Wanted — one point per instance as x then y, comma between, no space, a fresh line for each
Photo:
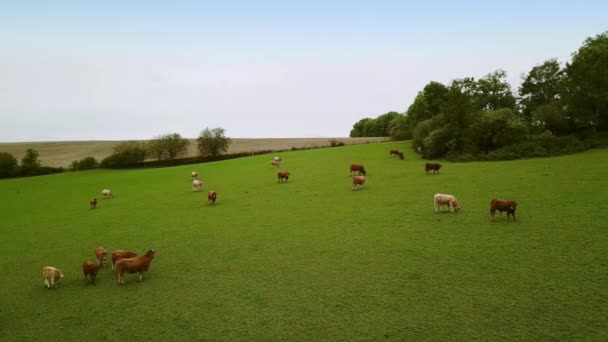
557,109
211,143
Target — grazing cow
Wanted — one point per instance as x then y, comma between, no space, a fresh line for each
439,200
358,181
138,264
101,255
283,176
502,205
121,254
275,163
211,197
89,270
51,276
277,159
107,193
396,153
357,168
432,167
197,184
194,175
93,203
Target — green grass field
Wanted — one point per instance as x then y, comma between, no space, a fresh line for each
311,260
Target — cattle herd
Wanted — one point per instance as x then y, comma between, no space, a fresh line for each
128,262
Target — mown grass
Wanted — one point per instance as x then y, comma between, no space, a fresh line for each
311,260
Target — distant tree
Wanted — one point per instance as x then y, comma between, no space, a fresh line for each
30,162
587,83
8,165
126,154
168,146
213,142
400,128
361,128
494,92
543,85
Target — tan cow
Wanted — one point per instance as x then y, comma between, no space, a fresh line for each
439,200
197,184
51,276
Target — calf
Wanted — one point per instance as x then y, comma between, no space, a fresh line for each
101,255
93,203
107,193
358,181
138,264
211,197
502,205
283,176
277,159
357,168
121,254
432,167
275,163
439,200
197,184
89,270
51,276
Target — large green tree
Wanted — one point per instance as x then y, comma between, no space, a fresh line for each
542,86
30,162
427,103
8,164
588,83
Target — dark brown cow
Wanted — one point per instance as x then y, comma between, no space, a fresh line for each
358,181
357,168
397,153
432,167
90,271
283,176
93,203
502,205
121,254
138,264
211,197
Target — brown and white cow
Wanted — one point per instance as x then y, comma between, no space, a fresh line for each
396,153
275,163
439,200
211,197
138,264
51,276
121,254
502,205
89,269
283,176
358,181
101,255
107,193
357,168
194,175
93,203
197,184
432,167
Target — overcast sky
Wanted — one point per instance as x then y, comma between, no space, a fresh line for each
106,70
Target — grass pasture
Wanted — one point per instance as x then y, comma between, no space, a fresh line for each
311,260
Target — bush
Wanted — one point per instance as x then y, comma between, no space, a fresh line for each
213,142
335,143
84,164
127,154
8,165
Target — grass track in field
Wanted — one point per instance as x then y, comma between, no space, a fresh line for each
312,260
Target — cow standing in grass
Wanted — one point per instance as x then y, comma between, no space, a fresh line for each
439,200
357,168
211,197
197,184
89,269
101,254
93,203
502,205
358,181
51,276
434,167
283,176
138,264
194,175
121,254
107,193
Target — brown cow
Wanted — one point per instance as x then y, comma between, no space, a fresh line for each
283,176
357,168
432,167
89,270
138,264
397,153
51,276
101,255
121,254
211,197
358,180
93,203
502,205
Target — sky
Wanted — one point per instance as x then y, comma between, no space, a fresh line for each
117,70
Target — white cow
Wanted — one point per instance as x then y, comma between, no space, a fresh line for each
197,184
107,193
194,175
439,200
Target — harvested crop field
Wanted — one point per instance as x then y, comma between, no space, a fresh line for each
62,153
